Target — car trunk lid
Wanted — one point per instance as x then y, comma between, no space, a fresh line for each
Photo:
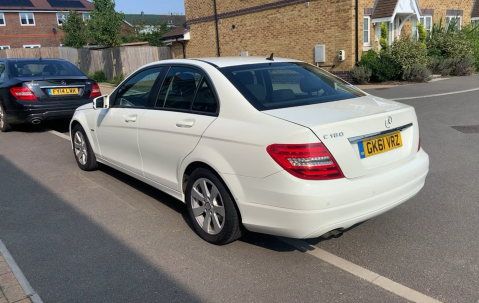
59,90
342,125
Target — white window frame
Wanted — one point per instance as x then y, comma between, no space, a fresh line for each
32,46
368,23
451,17
475,22
4,46
423,21
2,15
26,15
64,17
85,16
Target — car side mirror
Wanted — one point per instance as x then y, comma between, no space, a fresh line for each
101,102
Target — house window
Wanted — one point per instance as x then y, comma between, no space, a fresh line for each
2,19
32,46
457,19
475,22
86,16
27,19
427,21
4,46
61,18
366,31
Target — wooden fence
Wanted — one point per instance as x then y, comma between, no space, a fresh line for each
125,59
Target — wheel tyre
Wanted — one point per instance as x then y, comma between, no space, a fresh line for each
83,147
4,125
232,228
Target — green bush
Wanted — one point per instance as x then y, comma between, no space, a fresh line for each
361,74
117,79
450,45
383,40
408,52
463,66
441,66
416,73
383,67
98,76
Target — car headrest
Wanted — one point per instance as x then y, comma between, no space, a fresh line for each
245,77
184,80
49,69
310,84
25,72
283,95
257,90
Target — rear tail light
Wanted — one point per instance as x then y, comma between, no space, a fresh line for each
306,161
23,94
95,91
419,145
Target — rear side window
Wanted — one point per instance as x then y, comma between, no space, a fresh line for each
2,71
136,91
281,85
32,68
187,89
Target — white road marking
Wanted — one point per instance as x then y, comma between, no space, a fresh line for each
59,134
437,95
27,288
358,271
361,272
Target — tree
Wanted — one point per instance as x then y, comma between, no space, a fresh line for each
422,33
104,24
383,41
140,31
74,29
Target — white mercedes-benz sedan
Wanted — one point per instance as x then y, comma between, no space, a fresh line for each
269,145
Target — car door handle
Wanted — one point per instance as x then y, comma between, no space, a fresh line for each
185,123
131,118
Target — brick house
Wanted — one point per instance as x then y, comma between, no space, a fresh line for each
36,23
293,28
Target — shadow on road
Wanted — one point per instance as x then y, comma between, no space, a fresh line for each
69,258
61,126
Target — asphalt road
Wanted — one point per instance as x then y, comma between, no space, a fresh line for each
106,237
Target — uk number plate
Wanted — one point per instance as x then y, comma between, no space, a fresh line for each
379,145
63,91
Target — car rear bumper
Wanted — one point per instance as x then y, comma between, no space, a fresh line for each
44,112
287,206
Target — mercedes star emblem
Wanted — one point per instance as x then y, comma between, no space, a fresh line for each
389,122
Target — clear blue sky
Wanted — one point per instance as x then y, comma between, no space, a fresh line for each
150,6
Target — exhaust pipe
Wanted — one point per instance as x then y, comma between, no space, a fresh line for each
36,121
333,234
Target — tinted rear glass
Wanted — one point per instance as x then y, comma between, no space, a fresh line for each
280,85
44,68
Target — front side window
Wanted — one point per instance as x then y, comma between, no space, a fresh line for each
27,19
2,19
366,30
179,88
61,17
280,85
136,91
454,20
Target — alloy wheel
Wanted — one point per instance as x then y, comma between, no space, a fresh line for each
208,207
2,117
80,148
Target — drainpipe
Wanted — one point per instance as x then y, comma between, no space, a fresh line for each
357,30
217,35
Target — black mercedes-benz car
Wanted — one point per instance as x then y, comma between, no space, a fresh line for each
34,90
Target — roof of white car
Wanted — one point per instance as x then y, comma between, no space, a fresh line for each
228,61
234,61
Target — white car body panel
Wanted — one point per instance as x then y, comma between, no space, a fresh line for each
164,144
270,199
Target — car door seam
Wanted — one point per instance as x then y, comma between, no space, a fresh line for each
138,143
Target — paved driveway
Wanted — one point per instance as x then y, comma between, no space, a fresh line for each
105,237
